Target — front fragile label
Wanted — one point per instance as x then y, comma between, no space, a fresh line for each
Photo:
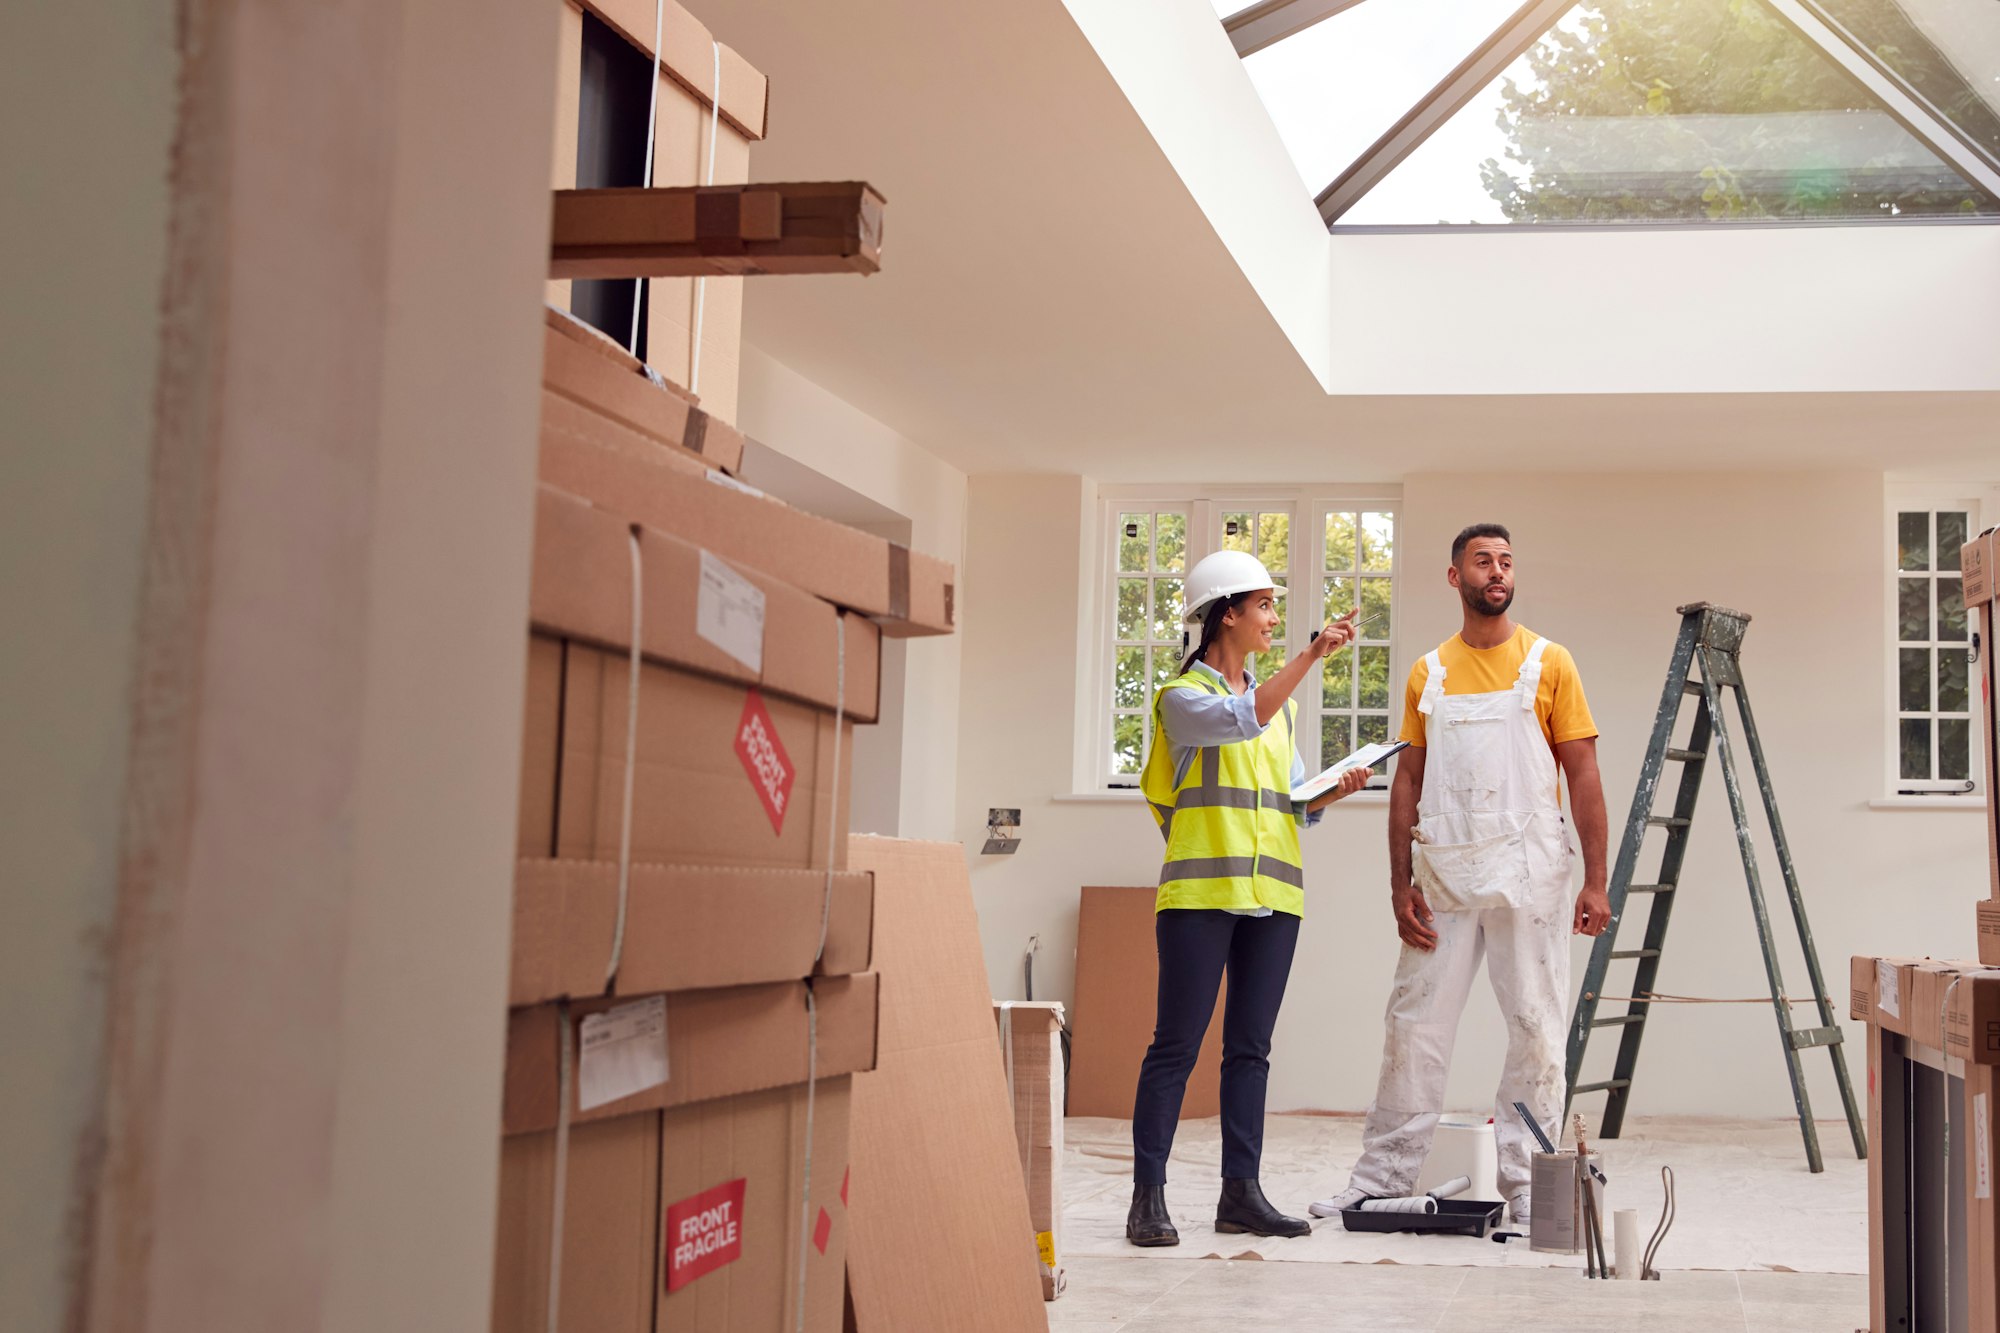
729,613
624,1051
1888,994
703,1233
765,760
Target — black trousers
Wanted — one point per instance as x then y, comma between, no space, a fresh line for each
1195,949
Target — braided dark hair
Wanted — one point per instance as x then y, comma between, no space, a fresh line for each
1211,625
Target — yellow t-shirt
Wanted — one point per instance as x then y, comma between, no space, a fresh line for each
1559,704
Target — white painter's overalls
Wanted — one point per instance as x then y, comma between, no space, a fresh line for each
1493,861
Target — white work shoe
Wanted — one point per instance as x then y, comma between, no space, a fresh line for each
1338,1204
1517,1209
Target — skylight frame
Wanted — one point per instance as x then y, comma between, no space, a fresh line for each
1264,24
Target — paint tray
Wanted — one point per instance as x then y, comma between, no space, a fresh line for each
1454,1217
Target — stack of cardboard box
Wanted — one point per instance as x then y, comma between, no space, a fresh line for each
1031,1050
1933,1079
690,992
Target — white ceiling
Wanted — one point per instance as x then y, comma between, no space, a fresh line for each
1052,299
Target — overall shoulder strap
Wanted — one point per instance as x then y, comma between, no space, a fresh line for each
1433,683
1530,680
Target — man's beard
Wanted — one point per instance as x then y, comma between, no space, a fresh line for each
1477,601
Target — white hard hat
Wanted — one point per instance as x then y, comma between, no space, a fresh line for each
1224,574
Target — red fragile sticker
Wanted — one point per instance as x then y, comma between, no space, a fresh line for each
822,1230
765,760
704,1233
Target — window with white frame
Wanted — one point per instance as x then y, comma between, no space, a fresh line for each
1932,740
1339,552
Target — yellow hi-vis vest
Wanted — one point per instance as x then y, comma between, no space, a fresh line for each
1232,838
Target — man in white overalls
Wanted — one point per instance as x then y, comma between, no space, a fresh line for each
1481,865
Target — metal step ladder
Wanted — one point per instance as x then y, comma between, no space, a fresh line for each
1711,638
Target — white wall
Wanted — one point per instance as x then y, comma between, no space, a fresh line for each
1604,561
796,417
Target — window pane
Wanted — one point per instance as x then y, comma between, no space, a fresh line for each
1135,541
1128,738
1266,665
1336,738
1128,687
1949,50
1238,531
1339,598
1278,649
1274,541
1916,749
1913,610
1951,525
1371,729
1340,542
1336,688
1955,748
1374,677
1913,680
1172,538
1913,541
1166,665
1954,693
1375,598
1132,609
1167,610
1639,111
1951,609
1378,542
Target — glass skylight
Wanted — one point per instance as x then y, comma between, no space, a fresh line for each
1644,111
1333,89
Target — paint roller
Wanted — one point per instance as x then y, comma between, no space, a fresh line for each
1425,1203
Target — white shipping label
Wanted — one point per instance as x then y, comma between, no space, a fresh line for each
729,613
624,1052
1982,1152
1888,997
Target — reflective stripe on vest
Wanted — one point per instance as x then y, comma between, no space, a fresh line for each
1229,824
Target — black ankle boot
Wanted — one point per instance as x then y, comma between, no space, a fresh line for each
1148,1223
1243,1208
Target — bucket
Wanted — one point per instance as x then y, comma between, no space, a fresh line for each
1463,1146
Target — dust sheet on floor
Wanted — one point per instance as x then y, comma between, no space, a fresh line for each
1747,1201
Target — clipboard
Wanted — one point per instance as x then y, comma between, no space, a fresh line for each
1366,757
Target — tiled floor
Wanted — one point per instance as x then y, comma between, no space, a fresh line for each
1255,1296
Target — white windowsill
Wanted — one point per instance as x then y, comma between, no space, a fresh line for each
1970,804
1134,798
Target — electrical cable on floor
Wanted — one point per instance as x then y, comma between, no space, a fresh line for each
1646,1270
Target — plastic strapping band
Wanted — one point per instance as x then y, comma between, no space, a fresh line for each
631,764
652,133
812,1005
701,284
563,1084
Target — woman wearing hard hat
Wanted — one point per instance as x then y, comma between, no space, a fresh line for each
1219,781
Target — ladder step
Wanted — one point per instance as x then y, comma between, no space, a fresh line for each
1635,953
1692,687
1609,1085
1619,1022
1667,821
1649,888
1806,1038
1687,756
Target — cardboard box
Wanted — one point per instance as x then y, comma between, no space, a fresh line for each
722,775
1117,989
694,613
541,743
1989,932
907,592
720,1043
686,927
1887,984
1943,1004
684,1220
1979,560
942,1238
770,228
588,370
1031,1051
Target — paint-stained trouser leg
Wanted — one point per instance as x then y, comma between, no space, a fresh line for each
1527,961
1424,1009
